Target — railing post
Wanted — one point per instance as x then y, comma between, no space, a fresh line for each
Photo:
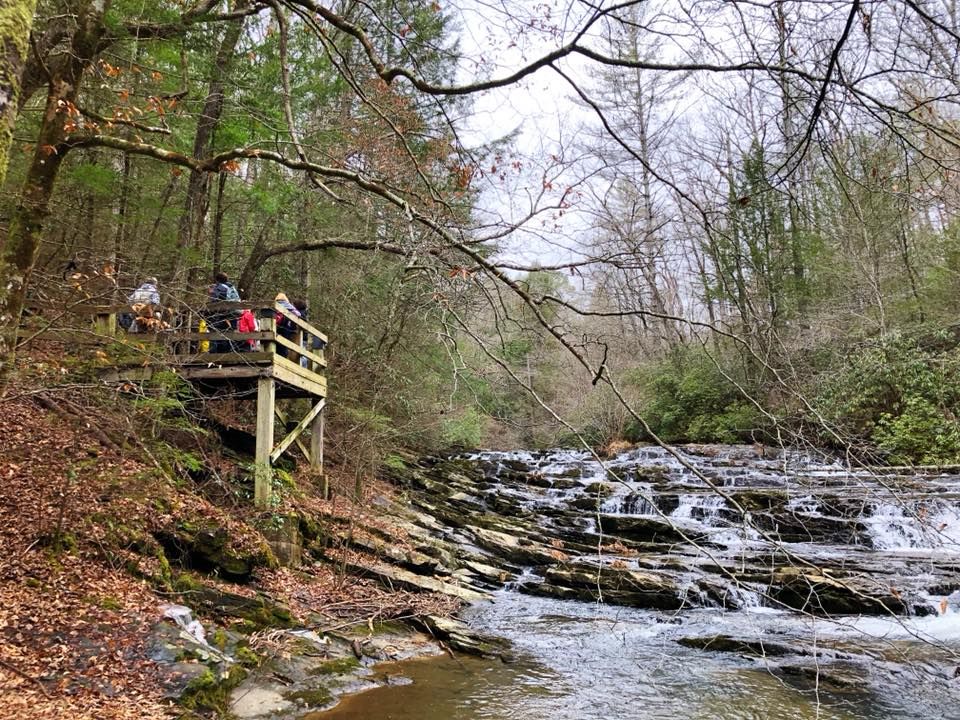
298,339
105,323
263,474
268,323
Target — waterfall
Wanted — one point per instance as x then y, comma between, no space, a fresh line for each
704,507
664,537
630,503
914,526
745,597
526,576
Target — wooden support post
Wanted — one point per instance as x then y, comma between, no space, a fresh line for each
316,450
316,442
263,474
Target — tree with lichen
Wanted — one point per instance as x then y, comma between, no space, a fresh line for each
16,19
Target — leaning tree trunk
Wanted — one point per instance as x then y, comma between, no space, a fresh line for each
196,202
19,252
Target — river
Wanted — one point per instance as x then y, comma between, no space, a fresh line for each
794,588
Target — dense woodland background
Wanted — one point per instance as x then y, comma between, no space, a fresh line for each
745,221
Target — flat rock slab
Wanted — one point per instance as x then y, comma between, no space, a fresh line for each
459,636
258,701
397,577
743,646
511,547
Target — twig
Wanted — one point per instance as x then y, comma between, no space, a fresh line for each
76,415
22,674
29,547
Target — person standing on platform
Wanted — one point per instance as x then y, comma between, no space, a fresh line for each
247,324
144,305
222,321
285,328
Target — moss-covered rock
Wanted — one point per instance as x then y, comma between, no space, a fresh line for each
316,698
257,612
336,667
210,691
207,548
461,637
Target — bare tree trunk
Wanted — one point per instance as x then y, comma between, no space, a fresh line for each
120,236
197,200
247,279
789,142
16,19
218,224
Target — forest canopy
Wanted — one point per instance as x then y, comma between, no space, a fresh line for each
520,223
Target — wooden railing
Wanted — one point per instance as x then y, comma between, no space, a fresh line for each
304,341
184,338
250,373
49,316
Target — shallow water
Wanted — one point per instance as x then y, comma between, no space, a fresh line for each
582,660
466,688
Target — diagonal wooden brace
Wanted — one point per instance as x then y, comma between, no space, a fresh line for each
295,433
282,417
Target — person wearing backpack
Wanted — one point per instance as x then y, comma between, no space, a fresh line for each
143,302
146,294
222,321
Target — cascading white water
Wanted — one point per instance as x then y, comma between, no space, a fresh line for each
745,597
805,504
703,507
628,503
526,575
914,526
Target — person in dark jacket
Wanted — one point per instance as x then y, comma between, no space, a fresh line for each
301,306
285,328
221,321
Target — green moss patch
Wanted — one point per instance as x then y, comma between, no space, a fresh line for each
336,667
211,693
311,698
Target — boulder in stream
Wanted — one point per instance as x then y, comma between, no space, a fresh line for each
616,586
822,594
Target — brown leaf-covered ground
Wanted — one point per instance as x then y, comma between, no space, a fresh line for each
72,628
75,617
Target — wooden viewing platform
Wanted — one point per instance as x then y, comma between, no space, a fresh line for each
283,368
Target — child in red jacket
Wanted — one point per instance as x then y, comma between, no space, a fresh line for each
247,323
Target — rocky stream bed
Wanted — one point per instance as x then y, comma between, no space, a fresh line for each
759,585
